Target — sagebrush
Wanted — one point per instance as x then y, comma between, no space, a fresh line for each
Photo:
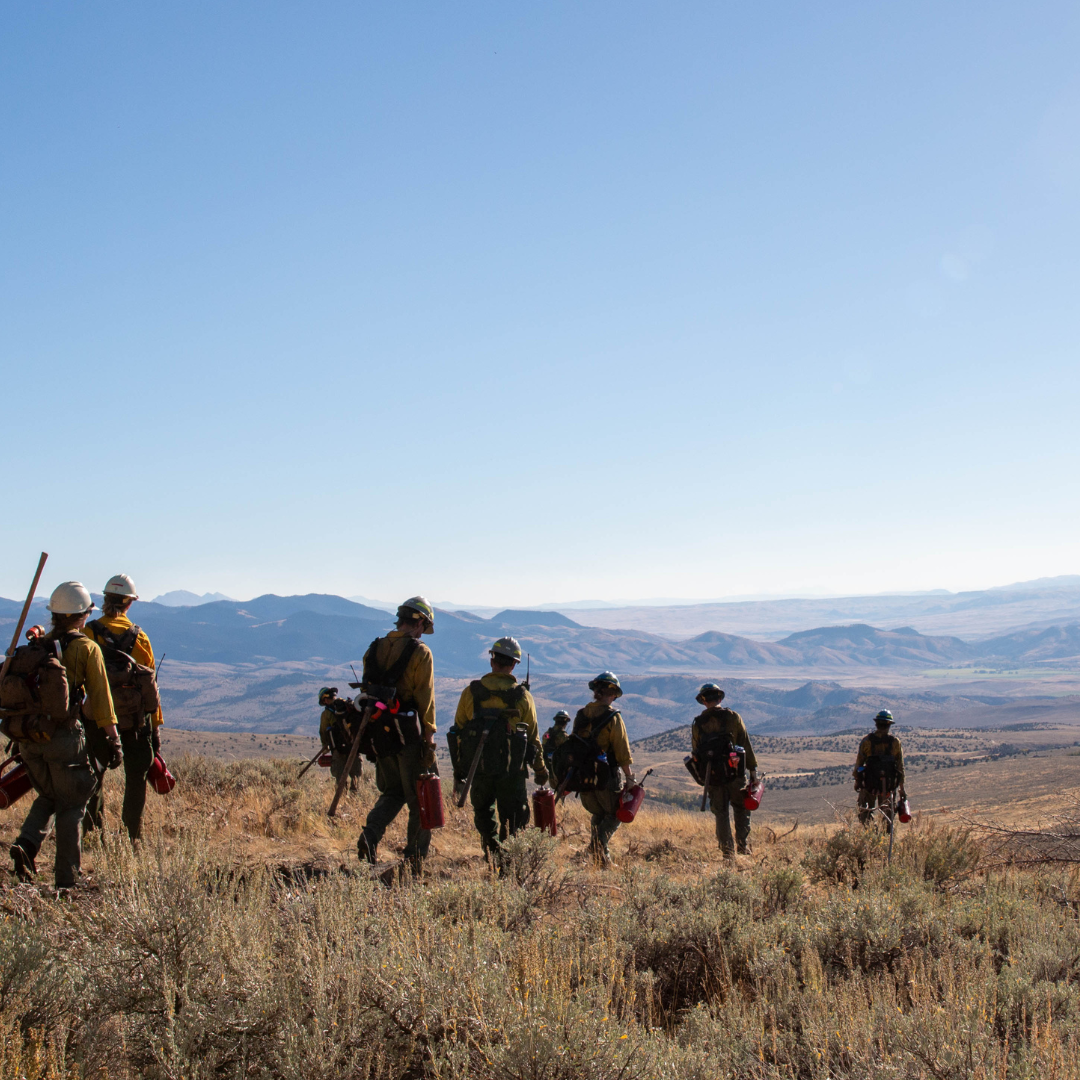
816,959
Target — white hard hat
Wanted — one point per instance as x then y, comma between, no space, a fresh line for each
70,598
120,585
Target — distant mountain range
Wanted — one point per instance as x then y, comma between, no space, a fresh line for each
183,598
333,630
970,615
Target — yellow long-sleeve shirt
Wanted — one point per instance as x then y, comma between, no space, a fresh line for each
881,746
85,668
416,687
526,709
326,722
611,738
719,721
142,652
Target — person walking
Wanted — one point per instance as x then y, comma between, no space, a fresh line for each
600,726
129,664
495,725
555,736
53,746
336,734
399,671
879,770
720,744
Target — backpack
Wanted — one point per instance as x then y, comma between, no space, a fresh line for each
879,772
133,685
504,748
35,699
718,750
389,730
338,733
578,763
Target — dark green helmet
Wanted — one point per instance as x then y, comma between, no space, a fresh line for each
562,717
416,607
607,680
884,718
326,693
709,691
506,647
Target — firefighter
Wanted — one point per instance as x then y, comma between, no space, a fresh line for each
337,735
139,731
879,770
601,725
495,725
514,812
555,735
402,744
55,755
720,744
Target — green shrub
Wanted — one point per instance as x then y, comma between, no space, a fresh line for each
845,854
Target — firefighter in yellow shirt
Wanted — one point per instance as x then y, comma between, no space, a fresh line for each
403,745
55,755
496,719
601,725
879,770
138,719
721,746
337,735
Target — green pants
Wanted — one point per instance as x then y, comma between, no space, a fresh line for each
514,814
395,777
138,757
63,780
602,805
868,800
504,794
337,766
723,797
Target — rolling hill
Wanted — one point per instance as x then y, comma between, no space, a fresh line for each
971,615
332,630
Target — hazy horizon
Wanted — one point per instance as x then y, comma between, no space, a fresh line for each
629,602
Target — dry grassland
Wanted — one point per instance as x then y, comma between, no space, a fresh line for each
243,939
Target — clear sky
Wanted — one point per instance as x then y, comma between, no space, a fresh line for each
525,302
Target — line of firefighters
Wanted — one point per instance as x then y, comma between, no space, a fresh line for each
81,697
494,741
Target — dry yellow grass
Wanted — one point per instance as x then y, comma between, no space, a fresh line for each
243,939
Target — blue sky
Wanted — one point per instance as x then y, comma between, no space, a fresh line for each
515,303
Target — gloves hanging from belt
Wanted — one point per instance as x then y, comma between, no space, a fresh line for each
155,740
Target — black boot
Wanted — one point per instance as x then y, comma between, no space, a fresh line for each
365,850
23,859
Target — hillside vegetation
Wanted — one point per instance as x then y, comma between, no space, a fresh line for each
218,951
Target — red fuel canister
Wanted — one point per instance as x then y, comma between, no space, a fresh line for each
903,811
14,783
429,794
543,806
326,760
159,776
752,798
630,803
